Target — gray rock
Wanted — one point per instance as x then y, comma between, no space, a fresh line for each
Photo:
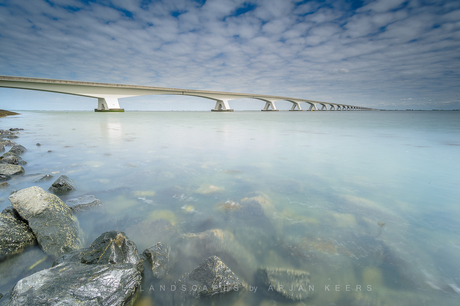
10,211
83,203
15,236
77,284
45,178
56,228
7,143
279,282
2,147
10,159
16,129
7,170
12,136
18,149
158,256
62,185
211,277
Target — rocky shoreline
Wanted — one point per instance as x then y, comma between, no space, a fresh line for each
4,113
110,270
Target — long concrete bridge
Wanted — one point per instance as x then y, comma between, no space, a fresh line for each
108,94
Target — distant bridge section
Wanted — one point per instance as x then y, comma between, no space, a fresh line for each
108,94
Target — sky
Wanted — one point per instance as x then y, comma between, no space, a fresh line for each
386,54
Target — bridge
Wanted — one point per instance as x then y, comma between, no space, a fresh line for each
108,94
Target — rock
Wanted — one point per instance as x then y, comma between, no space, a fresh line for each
279,282
18,149
15,236
38,144
158,256
52,222
16,129
45,178
7,143
2,147
7,170
83,203
14,156
62,185
10,159
211,277
4,185
12,136
77,284
10,211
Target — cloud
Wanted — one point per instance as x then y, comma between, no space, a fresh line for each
322,50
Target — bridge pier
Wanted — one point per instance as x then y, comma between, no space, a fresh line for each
108,104
222,106
295,106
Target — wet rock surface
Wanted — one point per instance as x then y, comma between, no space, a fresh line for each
7,142
106,273
44,178
17,149
83,203
7,170
62,185
211,277
15,236
158,256
52,222
279,282
12,160
10,211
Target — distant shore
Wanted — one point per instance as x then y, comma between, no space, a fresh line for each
4,113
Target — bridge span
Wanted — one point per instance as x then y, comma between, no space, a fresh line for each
108,94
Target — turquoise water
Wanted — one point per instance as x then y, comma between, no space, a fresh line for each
364,200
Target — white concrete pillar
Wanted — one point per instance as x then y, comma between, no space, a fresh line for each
108,104
222,106
295,106
269,106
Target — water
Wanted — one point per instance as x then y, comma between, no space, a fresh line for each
367,202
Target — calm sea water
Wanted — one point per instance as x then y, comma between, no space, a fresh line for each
367,202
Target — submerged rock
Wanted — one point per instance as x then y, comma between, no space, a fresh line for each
4,185
62,185
15,236
83,203
52,222
158,256
44,178
211,277
18,149
7,170
289,284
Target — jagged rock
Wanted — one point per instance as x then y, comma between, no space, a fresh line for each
7,170
211,277
158,256
62,185
10,159
52,222
279,282
15,236
47,177
83,203
18,149
77,284
111,276
110,248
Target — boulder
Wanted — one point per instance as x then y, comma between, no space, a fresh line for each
83,203
56,228
15,236
289,284
7,143
211,277
158,256
10,159
18,149
7,170
77,284
62,185
10,211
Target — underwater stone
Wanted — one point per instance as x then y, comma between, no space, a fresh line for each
52,222
15,236
158,256
62,185
211,277
280,281
83,203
